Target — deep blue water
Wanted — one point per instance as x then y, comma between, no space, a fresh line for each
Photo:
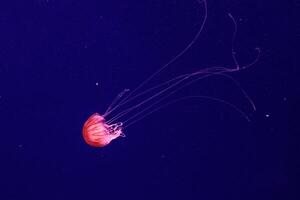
61,61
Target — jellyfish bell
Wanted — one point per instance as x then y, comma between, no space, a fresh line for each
97,133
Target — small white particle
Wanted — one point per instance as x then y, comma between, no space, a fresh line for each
97,83
267,115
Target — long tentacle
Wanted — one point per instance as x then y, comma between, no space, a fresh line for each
125,100
131,122
204,72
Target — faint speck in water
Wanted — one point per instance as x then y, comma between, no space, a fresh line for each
267,115
284,98
97,84
20,146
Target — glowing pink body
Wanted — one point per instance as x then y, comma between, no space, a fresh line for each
97,133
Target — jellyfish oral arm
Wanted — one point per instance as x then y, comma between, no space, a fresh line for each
116,129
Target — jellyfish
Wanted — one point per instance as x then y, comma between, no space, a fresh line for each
100,129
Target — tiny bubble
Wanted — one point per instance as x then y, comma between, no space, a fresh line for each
97,83
267,115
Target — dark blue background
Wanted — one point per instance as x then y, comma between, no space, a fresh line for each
52,54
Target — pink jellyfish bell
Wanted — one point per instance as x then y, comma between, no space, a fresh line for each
97,133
